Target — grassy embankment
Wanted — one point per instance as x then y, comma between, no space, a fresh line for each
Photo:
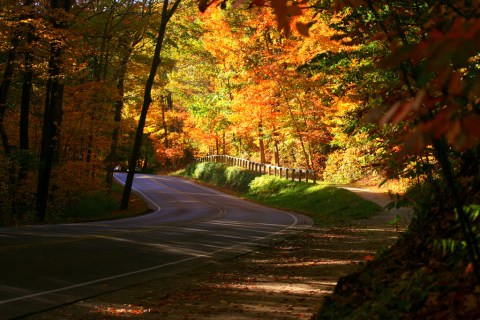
323,203
326,204
96,204
100,205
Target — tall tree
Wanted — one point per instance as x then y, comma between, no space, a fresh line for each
53,107
5,86
27,83
167,12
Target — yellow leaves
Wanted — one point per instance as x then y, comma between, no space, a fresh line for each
471,302
127,310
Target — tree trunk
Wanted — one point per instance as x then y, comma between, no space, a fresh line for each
276,152
224,147
129,47
117,117
26,93
147,99
4,87
261,143
164,123
168,105
169,101
297,127
26,88
50,131
52,116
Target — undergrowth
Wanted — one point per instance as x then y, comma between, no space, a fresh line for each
102,205
324,203
427,274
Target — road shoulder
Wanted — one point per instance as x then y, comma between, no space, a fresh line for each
286,281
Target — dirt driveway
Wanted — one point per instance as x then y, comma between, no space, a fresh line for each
286,281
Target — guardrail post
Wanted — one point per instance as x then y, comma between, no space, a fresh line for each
288,173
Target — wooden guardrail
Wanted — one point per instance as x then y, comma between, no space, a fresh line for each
294,174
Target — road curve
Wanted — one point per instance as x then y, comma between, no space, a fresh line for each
190,225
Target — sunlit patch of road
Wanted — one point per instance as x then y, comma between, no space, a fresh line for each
190,225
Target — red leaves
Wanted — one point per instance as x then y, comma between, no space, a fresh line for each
399,111
469,268
461,134
369,257
444,58
284,13
466,133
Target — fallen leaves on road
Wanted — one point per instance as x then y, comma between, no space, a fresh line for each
287,281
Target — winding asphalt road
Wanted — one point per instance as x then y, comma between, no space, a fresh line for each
46,266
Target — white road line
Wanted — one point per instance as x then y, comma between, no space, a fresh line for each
38,294
156,207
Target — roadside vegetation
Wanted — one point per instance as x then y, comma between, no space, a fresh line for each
352,89
103,205
96,204
326,204
426,274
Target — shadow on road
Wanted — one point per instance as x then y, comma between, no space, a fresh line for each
287,281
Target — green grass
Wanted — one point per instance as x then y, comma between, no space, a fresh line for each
100,205
325,204
220,175
92,205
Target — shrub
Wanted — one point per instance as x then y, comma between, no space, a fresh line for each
272,185
323,203
238,178
219,174
344,166
209,171
92,204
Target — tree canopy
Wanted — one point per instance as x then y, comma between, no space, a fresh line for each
364,90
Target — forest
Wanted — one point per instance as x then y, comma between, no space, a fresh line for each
373,91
